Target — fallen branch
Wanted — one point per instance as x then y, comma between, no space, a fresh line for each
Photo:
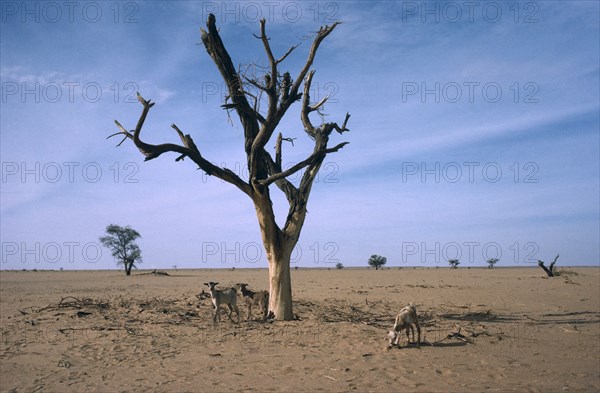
456,335
99,328
156,273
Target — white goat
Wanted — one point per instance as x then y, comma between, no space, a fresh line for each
406,318
226,296
260,298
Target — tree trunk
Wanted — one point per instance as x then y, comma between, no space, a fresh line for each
280,286
279,250
128,266
548,271
551,272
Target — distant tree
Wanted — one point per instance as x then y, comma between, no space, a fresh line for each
551,270
454,263
491,262
121,242
339,265
377,261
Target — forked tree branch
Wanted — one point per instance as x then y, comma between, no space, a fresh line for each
325,128
279,104
216,50
189,149
322,33
551,272
282,58
301,165
273,64
286,186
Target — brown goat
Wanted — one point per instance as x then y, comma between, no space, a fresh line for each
406,318
260,298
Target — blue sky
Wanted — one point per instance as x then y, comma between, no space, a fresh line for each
474,132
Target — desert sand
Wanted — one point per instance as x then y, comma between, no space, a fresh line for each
504,329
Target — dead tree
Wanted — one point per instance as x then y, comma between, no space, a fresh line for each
259,126
551,270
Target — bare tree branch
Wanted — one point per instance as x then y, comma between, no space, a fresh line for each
278,149
319,104
280,139
303,164
306,108
252,111
127,134
282,58
283,184
325,128
290,90
189,149
268,127
323,32
272,62
216,50
254,83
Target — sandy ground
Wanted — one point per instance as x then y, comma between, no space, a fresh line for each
483,330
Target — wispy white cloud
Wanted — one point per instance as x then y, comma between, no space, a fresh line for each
19,74
472,134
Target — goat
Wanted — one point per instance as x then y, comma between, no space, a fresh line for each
226,296
261,298
406,318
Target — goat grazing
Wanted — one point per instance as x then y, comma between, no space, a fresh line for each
226,296
260,298
406,318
